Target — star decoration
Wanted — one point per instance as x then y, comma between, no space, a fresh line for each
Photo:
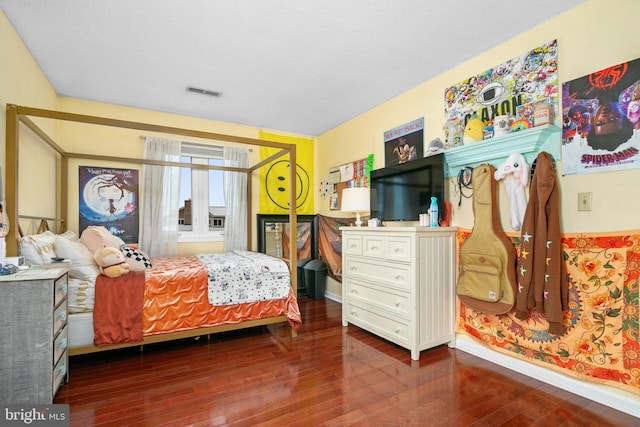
522,270
524,254
547,260
548,243
546,294
546,277
526,236
520,287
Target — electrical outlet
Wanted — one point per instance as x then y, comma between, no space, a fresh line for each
584,202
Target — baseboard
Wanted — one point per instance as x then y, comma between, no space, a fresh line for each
333,297
620,400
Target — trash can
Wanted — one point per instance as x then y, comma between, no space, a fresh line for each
315,278
302,288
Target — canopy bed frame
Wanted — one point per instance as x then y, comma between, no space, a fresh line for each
20,115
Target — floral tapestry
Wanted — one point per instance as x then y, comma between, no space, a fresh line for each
600,341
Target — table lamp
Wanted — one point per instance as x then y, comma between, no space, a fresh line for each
355,199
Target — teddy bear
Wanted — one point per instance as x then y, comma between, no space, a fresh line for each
111,262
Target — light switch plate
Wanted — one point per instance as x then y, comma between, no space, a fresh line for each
584,202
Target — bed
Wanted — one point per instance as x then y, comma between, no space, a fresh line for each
187,313
178,296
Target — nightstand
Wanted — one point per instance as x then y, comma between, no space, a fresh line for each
33,335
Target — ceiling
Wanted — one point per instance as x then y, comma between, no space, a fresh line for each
298,66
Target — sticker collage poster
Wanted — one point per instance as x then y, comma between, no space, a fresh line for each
601,120
525,80
108,197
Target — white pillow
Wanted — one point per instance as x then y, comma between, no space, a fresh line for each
83,266
37,248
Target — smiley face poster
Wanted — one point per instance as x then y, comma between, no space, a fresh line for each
601,120
275,177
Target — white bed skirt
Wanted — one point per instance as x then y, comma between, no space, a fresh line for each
80,329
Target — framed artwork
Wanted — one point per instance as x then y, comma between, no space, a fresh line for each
601,120
404,143
108,197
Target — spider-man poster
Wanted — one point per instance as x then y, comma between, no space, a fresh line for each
601,120
109,197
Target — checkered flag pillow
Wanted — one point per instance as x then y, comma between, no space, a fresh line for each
133,254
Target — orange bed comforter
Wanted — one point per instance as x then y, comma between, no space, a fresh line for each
175,299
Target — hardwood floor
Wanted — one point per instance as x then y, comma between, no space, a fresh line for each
327,376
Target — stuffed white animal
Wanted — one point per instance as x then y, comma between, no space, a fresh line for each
515,174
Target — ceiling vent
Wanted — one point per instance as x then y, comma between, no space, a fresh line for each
204,91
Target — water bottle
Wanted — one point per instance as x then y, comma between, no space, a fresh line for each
433,212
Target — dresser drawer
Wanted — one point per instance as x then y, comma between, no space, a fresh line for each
59,373
60,289
397,276
59,318
60,344
396,302
351,244
374,246
398,248
392,328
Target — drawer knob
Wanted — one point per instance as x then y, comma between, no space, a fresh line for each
62,315
62,370
397,330
63,288
353,313
398,277
396,250
397,303
63,342
354,291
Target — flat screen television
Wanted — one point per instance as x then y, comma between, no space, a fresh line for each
402,192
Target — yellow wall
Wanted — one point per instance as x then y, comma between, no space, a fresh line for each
593,36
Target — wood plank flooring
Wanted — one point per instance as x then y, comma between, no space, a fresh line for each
327,376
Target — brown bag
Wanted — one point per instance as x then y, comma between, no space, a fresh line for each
487,280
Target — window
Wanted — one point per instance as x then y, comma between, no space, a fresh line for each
201,209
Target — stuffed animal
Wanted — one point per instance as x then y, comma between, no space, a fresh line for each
435,146
515,174
474,130
111,262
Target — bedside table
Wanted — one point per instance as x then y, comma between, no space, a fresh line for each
33,335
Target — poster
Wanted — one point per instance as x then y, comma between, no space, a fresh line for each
404,143
525,80
274,176
600,120
108,197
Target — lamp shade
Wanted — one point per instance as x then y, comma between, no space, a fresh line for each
355,199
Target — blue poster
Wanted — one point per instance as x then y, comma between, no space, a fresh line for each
108,197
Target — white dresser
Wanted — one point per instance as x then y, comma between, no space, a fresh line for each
399,283
33,335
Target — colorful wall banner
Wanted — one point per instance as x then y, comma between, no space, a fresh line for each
524,80
274,176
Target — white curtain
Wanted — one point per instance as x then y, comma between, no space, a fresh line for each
235,199
160,198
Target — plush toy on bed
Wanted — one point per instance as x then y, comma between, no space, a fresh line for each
111,262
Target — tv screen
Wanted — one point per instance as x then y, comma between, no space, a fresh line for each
402,192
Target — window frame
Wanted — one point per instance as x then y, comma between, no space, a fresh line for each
200,155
